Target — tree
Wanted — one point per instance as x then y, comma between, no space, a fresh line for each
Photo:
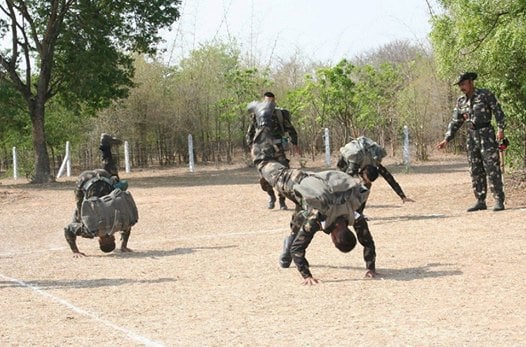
80,49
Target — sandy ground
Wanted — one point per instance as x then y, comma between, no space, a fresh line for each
205,271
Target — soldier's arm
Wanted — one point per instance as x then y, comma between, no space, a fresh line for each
251,130
289,128
125,236
382,170
456,122
71,240
496,110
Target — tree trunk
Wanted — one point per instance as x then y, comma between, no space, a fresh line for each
42,170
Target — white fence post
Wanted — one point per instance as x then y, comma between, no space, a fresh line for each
405,150
190,153
66,163
15,164
126,157
327,148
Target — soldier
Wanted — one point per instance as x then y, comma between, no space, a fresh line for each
476,108
328,201
93,183
280,134
359,153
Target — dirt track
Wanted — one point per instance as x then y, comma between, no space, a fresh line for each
205,272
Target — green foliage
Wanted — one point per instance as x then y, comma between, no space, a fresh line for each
79,50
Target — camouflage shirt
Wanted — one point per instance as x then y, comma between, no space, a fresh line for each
275,128
477,111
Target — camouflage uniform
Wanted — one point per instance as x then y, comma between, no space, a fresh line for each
482,146
382,170
306,220
267,143
354,168
91,183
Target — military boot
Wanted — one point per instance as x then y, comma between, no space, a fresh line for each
282,205
271,202
285,257
499,205
480,205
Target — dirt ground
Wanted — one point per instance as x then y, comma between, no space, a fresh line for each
204,270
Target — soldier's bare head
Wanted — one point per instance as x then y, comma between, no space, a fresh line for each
107,243
342,237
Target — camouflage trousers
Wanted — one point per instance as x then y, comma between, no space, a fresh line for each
484,163
306,223
264,149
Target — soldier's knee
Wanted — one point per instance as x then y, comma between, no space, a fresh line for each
265,186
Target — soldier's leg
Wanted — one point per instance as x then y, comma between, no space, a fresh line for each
266,187
298,219
302,241
477,172
366,240
281,158
491,162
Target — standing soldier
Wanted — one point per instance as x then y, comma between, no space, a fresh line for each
476,108
280,133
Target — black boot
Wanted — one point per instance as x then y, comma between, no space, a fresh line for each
285,257
282,205
480,205
271,201
499,205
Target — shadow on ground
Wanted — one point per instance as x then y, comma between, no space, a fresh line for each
407,274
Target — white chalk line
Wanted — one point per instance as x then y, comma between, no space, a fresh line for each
132,335
208,236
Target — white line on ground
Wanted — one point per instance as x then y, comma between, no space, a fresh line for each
130,334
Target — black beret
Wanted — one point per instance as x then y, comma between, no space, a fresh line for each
466,76
269,95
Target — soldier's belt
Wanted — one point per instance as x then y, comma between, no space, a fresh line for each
473,126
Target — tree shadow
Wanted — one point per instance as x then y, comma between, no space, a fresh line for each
407,274
430,167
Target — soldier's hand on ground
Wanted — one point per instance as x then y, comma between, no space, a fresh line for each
442,144
126,249
78,255
406,199
309,281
